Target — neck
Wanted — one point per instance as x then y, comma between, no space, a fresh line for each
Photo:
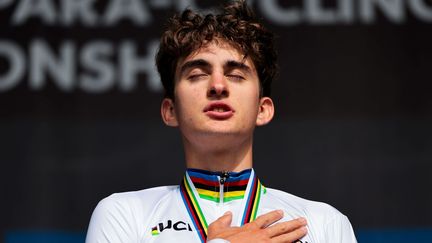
219,156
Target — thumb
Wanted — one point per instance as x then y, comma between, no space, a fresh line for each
224,221
219,226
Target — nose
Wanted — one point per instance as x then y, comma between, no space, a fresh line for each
218,87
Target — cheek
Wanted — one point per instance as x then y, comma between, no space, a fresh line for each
185,89
187,102
251,99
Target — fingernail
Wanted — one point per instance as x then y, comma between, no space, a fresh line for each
302,220
280,212
227,213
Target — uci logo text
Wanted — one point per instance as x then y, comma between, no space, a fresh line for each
177,226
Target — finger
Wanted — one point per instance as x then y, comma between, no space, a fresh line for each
222,222
267,219
285,227
290,237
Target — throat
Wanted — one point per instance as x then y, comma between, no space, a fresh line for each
218,152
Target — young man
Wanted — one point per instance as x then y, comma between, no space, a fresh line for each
217,71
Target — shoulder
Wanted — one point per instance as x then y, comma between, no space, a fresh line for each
305,206
142,200
116,217
135,198
300,207
324,221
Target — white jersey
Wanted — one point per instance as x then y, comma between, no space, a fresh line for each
182,213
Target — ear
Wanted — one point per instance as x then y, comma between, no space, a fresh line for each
168,113
265,112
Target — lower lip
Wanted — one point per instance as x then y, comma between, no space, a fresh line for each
219,115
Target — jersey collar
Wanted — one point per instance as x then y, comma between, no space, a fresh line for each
191,195
216,185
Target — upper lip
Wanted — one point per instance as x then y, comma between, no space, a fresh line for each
218,105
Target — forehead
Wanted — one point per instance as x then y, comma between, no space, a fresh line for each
217,52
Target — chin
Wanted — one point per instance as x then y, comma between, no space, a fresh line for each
221,132
223,128
224,133
219,140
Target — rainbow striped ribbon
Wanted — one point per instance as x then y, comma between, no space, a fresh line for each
196,214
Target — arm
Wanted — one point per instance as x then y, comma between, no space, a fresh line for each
110,222
339,230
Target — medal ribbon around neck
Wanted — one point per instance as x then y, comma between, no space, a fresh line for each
196,214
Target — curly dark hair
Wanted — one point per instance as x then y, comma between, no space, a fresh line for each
236,24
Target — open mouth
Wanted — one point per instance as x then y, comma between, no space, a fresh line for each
219,110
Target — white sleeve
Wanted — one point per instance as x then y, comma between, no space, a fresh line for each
339,230
218,241
110,223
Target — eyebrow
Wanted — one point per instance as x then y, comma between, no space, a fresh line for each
237,65
198,63
201,63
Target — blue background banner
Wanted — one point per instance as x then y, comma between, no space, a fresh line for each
363,236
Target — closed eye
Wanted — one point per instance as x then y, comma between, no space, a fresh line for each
234,77
195,77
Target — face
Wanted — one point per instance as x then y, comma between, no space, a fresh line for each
217,93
